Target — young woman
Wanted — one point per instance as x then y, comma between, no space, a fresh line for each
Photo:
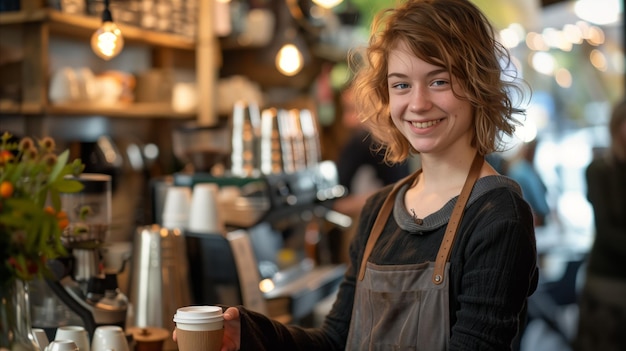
444,259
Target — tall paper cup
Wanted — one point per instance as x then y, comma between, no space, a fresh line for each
204,216
176,207
199,328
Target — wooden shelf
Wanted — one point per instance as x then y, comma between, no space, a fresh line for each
120,110
84,26
9,108
18,17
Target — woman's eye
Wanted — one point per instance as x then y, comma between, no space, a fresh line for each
439,83
400,86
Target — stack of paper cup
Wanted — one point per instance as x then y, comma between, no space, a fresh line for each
204,215
176,207
199,328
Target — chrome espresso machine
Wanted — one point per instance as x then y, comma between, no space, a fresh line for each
275,201
84,287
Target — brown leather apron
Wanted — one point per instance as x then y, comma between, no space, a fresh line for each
406,307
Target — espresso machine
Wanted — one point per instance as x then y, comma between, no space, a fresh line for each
274,200
84,284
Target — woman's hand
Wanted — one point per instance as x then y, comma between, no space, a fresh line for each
232,330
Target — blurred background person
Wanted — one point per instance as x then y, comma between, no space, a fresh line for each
361,170
361,166
602,316
521,168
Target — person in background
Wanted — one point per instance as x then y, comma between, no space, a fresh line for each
521,168
361,166
602,305
421,276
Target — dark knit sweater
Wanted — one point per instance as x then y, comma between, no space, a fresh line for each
492,271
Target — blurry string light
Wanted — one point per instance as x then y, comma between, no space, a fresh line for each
107,41
543,62
552,38
598,60
512,35
563,77
600,12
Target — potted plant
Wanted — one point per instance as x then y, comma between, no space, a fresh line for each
32,177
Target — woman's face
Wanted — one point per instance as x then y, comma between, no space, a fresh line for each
423,106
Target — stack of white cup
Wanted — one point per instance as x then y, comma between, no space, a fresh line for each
176,207
204,213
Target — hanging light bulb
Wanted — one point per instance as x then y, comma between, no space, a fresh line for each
107,42
328,4
289,60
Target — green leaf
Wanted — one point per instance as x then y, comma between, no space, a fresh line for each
55,199
68,186
58,167
16,172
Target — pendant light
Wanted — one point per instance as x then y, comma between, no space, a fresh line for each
327,4
289,59
288,50
107,42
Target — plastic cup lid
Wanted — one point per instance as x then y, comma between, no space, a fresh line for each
198,314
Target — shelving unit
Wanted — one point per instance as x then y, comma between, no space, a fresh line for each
39,24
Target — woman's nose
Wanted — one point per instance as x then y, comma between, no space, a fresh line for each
420,100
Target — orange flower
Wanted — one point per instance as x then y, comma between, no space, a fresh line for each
49,210
5,157
6,189
61,217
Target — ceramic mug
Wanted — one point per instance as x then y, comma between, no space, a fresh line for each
75,333
109,337
41,338
62,345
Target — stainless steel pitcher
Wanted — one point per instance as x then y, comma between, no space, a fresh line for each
159,277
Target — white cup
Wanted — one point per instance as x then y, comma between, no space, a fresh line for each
176,207
109,337
199,328
204,216
75,333
41,338
62,345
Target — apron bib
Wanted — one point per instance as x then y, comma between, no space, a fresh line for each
406,307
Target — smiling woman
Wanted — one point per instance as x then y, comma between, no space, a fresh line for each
458,276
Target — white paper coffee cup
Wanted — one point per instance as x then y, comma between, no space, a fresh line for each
199,328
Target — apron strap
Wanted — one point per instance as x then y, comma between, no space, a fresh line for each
455,220
453,224
381,219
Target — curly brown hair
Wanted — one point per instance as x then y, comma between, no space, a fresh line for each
453,34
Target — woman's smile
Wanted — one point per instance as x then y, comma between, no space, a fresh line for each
427,124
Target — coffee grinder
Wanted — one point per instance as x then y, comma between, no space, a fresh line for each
85,280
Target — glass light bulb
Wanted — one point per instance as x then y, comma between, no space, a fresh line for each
328,4
107,42
289,60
